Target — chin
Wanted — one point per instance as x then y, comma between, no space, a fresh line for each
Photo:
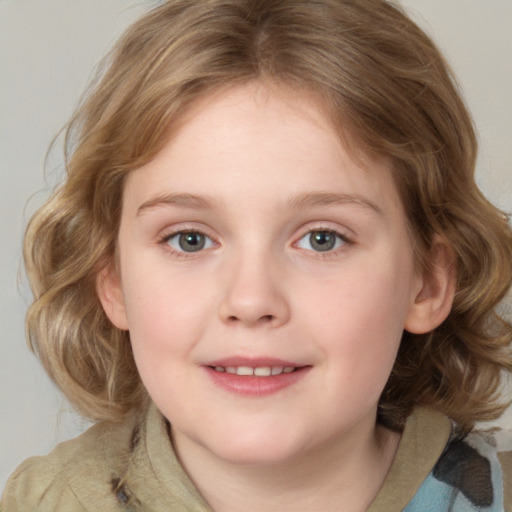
257,457
258,450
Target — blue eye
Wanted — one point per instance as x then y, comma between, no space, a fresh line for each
189,241
322,240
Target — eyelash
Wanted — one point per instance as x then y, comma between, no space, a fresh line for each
342,241
167,237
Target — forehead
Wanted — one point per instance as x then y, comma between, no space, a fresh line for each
271,139
256,104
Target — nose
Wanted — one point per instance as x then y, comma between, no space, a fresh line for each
254,293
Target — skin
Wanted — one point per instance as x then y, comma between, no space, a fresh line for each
255,170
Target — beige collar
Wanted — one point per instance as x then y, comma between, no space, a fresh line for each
158,480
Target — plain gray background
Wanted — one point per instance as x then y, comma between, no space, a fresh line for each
48,49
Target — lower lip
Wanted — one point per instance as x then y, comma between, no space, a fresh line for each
256,386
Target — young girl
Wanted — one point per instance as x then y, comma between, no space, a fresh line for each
269,275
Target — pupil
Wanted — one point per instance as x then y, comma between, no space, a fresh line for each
191,242
322,240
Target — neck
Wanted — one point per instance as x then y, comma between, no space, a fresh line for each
343,471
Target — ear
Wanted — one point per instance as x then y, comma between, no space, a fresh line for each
110,293
433,302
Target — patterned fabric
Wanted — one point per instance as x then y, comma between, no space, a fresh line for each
467,478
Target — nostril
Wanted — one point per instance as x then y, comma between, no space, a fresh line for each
262,319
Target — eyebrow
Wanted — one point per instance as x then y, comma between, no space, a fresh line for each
318,199
301,201
180,200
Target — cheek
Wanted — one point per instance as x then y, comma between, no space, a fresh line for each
364,299
159,339
360,319
166,314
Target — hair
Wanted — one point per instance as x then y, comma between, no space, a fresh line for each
383,81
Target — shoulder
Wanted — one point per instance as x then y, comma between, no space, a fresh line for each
437,470
86,463
505,458
477,470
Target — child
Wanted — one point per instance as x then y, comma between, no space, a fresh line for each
269,274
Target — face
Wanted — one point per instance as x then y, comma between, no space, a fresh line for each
266,277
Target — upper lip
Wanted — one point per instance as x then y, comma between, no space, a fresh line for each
257,362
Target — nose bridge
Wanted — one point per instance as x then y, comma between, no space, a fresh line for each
253,291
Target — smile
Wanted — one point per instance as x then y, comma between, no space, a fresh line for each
259,371
256,378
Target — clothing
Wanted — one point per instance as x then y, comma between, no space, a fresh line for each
132,467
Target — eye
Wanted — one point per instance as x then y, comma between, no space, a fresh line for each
189,241
322,240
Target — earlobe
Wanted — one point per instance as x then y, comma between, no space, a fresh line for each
110,293
433,302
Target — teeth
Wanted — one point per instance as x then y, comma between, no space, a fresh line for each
263,372
244,370
260,371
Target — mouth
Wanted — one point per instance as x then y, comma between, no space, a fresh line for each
258,371
255,378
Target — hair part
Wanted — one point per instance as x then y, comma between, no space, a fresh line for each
385,85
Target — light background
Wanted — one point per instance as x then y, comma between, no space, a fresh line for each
48,49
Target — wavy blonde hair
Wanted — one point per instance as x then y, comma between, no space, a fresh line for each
383,81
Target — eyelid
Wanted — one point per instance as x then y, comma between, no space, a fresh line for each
169,233
343,233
